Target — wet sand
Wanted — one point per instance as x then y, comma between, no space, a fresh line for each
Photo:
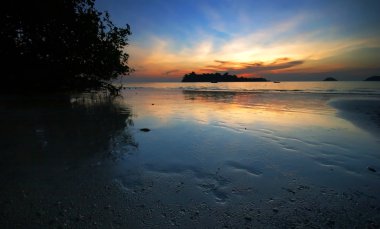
211,160
363,112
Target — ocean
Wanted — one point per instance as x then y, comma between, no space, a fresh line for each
336,87
195,155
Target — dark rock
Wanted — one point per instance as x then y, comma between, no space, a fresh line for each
275,210
145,129
371,169
289,190
330,79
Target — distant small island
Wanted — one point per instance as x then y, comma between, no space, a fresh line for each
217,77
330,79
373,78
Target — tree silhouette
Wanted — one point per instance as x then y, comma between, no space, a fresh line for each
60,45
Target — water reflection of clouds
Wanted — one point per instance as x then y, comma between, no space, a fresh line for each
250,108
237,110
200,122
256,137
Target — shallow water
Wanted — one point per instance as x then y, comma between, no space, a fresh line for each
213,158
295,133
336,87
258,148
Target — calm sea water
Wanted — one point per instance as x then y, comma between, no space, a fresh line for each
239,155
302,148
347,87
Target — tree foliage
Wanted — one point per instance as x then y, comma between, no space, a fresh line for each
60,45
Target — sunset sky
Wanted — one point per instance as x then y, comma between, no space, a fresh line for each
278,40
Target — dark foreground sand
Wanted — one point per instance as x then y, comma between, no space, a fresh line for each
59,182
85,198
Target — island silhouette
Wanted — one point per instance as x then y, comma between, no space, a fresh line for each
373,78
330,79
218,77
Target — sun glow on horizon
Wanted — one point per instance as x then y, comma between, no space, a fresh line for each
252,60
262,39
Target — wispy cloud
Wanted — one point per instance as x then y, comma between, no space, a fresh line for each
278,49
249,36
171,72
255,68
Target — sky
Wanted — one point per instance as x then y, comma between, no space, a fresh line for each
279,40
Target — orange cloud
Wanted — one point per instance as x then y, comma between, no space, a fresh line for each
258,52
254,68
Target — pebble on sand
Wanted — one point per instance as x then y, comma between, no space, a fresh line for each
371,169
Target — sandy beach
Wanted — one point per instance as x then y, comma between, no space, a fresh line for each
211,159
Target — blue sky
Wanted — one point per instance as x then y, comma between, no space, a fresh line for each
279,40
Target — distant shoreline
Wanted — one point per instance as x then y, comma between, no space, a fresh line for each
217,77
246,80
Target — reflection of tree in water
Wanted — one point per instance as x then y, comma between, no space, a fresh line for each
54,129
214,96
